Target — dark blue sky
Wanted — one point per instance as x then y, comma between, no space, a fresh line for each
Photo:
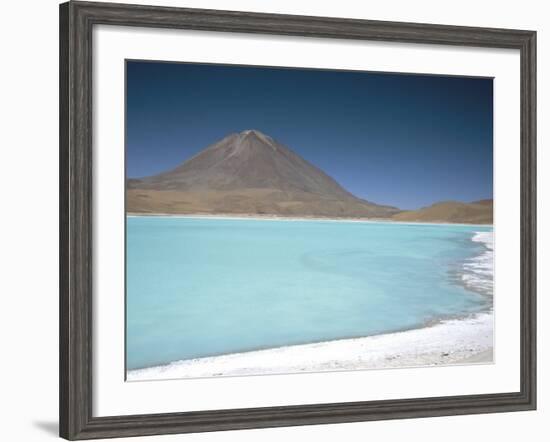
403,140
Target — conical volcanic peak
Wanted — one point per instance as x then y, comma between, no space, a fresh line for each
249,172
258,136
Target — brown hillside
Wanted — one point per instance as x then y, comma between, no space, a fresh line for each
250,173
477,212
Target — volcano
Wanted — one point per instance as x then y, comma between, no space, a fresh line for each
248,173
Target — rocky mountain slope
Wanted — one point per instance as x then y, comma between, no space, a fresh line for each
248,173
477,212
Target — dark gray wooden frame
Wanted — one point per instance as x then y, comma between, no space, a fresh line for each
75,400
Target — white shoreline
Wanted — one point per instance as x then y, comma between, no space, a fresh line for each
255,217
453,341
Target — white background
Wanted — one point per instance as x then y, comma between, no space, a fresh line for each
29,220
112,396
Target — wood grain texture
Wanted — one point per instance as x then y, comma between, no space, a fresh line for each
76,224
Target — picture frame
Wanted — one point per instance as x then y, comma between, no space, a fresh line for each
77,20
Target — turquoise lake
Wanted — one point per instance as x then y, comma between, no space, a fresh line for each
203,287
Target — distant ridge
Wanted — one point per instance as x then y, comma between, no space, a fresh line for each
477,212
248,173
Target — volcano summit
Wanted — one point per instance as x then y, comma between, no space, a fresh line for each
248,173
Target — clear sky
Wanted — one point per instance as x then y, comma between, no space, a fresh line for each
398,139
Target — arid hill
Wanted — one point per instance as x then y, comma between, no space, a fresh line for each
248,173
477,212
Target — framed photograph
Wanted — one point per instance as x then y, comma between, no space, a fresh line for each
272,220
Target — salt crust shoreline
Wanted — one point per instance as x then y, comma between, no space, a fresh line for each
454,341
290,218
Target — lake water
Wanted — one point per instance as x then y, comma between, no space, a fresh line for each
203,287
